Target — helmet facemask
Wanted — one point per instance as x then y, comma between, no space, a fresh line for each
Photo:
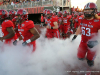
88,13
48,16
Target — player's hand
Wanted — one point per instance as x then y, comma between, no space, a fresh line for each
48,27
1,39
15,42
24,43
74,38
91,44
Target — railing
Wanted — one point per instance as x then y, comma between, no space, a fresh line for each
35,4
27,5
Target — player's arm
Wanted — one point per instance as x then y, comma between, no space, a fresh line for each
61,22
10,35
35,33
54,27
97,17
36,36
77,32
91,44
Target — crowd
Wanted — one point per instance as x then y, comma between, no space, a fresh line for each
17,1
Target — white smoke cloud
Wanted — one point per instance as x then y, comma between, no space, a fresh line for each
52,57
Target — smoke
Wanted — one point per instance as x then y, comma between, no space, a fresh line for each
52,57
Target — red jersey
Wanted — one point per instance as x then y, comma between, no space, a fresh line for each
24,29
14,20
6,24
50,33
25,33
76,22
59,20
50,22
69,16
89,28
66,21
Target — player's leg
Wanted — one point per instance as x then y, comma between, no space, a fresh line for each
57,34
82,51
34,46
91,55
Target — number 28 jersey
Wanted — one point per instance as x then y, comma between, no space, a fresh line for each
89,29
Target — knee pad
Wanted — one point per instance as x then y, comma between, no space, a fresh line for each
90,63
81,59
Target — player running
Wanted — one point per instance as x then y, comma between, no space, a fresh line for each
26,29
89,26
7,28
52,25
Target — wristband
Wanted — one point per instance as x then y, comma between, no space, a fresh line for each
51,27
28,41
17,39
74,37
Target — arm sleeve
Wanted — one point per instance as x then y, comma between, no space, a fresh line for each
30,26
9,24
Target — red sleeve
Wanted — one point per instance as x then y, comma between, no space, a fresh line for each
80,20
8,23
55,19
31,25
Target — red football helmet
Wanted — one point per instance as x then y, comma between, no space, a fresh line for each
22,14
64,12
44,12
3,14
14,19
12,13
49,12
54,14
88,6
60,13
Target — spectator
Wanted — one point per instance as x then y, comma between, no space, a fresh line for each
12,3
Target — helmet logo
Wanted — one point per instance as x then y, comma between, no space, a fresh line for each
24,12
12,12
3,12
87,6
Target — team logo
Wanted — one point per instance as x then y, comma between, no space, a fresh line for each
3,12
23,25
12,12
90,22
24,12
96,20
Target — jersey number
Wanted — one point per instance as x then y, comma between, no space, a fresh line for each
86,29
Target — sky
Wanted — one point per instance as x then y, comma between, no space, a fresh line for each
80,3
